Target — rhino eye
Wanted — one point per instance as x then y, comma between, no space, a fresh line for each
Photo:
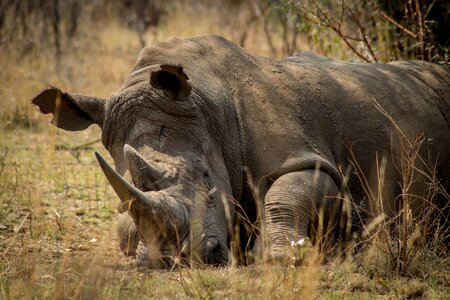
162,132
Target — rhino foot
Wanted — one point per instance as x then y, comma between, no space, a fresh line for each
127,234
293,255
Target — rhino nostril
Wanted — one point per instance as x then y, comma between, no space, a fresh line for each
213,192
211,244
215,253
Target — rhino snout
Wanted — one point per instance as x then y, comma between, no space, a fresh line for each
163,213
155,208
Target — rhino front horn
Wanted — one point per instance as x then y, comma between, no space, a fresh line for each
124,190
148,209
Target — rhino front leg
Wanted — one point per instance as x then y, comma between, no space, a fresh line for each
128,234
292,205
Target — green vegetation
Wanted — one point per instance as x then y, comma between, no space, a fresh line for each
57,211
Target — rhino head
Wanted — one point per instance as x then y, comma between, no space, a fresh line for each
170,171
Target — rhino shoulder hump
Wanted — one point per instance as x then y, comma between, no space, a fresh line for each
309,57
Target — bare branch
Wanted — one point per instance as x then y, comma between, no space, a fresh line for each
393,22
15,236
324,19
420,21
362,31
76,150
341,17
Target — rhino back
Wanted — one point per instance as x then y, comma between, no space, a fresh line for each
294,113
327,111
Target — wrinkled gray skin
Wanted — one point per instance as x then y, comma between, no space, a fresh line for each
194,114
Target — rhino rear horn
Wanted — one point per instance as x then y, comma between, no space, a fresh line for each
145,175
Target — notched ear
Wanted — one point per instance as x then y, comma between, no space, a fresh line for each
172,80
70,111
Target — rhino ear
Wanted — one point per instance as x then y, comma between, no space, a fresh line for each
172,80
70,111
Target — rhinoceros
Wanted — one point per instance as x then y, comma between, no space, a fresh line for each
204,134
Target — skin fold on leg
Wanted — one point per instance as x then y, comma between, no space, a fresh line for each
295,202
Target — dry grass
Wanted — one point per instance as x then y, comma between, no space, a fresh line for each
57,212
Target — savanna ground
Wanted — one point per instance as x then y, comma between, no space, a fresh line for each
57,211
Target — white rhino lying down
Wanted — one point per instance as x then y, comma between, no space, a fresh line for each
197,118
